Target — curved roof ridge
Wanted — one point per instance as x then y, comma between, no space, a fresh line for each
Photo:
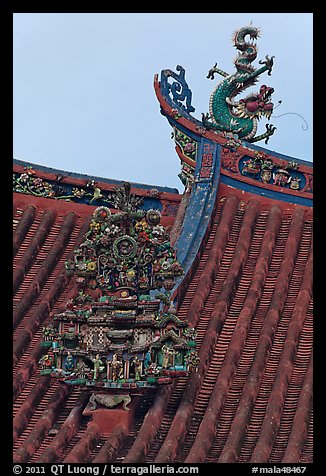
56,171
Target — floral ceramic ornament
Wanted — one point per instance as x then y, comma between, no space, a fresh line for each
102,213
153,217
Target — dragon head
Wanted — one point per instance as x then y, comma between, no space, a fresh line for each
239,37
257,104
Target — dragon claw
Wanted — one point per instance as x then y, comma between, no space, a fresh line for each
269,63
215,69
270,129
205,117
211,72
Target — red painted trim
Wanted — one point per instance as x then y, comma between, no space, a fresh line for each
309,182
183,158
265,202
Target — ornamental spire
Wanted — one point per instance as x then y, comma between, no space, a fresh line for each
121,329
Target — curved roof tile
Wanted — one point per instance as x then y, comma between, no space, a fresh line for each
249,297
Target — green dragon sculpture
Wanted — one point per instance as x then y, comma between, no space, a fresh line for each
241,117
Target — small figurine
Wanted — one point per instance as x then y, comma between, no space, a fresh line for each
117,368
98,366
82,371
69,362
138,366
148,359
266,170
295,183
281,177
167,354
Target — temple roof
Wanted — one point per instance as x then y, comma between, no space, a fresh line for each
248,293
243,233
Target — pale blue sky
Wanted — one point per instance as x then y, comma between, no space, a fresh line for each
83,86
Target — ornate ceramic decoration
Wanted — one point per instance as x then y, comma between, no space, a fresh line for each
109,401
186,144
187,149
266,170
120,330
177,91
232,122
30,184
230,159
237,118
60,188
241,117
262,168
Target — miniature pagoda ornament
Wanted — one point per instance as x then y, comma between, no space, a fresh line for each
121,331
241,117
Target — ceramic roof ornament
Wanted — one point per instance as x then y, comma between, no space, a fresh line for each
109,336
240,117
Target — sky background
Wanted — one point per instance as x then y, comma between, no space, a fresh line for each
83,86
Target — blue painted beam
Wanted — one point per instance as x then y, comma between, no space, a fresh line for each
201,205
273,194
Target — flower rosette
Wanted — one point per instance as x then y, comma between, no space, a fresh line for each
158,232
153,217
24,178
143,282
91,267
141,226
38,184
94,226
102,214
125,247
131,275
176,268
112,230
189,147
165,266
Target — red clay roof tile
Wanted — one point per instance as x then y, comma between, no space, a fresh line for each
250,299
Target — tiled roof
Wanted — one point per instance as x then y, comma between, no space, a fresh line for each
250,299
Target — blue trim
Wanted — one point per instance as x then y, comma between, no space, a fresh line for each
178,93
200,207
287,158
183,129
283,197
92,177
